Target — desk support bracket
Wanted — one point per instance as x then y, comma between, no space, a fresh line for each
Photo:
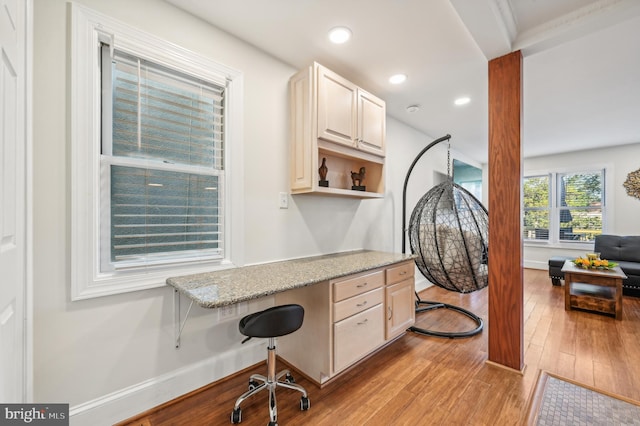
178,323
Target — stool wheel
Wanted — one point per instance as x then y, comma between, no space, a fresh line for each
236,416
304,403
253,384
289,378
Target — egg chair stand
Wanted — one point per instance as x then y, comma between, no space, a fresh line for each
450,231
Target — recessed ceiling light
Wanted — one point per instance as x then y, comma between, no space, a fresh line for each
462,101
339,35
397,78
413,108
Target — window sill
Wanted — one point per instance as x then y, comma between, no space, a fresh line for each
582,245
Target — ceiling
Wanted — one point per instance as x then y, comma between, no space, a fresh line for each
581,73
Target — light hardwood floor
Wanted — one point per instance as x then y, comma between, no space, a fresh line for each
420,380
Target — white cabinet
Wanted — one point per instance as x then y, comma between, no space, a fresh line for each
348,319
357,334
371,123
333,119
400,299
349,115
337,107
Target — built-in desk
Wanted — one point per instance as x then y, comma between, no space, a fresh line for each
234,285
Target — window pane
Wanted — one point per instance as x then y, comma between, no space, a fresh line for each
157,212
580,199
580,189
584,225
165,115
536,191
536,207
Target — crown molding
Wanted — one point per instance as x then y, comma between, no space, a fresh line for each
505,17
575,24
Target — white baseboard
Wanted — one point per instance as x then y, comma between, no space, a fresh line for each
536,264
135,399
422,283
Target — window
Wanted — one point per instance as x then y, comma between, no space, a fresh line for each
564,206
162,164
155,148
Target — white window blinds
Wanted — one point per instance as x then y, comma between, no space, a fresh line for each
162,164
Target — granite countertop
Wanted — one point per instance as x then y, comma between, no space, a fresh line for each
229,286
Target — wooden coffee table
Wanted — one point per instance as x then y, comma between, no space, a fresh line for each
593,289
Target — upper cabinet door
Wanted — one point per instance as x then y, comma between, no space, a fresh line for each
337,108
371,123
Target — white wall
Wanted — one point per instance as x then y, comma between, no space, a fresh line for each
113,357
623,210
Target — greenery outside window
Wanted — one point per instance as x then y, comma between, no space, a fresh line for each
564,206
537,207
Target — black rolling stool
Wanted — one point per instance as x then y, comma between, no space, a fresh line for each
271,323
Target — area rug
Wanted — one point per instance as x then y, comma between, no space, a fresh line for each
560,401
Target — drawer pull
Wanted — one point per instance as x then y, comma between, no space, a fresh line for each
359,305
363,322
390,312
362,285
403,272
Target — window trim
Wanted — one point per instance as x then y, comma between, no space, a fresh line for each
554,210
88,29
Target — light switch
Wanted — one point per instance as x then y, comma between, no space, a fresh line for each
284,200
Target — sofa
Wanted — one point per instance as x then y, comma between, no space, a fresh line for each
623,250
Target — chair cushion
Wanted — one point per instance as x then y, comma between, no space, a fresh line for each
629,268
618,248
272,322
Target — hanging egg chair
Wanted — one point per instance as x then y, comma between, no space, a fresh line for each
449,233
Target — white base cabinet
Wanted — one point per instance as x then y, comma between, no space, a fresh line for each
347,319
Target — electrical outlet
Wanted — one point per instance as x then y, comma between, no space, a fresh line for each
283,200
226,312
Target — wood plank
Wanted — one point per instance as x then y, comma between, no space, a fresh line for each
427,380
506,341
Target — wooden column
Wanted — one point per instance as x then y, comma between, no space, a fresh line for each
506,300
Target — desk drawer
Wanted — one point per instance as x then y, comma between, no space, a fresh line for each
357,285
355,304
400,272
356,336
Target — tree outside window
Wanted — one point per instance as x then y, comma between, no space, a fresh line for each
536,207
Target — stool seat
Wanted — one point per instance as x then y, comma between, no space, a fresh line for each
271,323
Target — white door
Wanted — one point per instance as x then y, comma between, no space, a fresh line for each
13,169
